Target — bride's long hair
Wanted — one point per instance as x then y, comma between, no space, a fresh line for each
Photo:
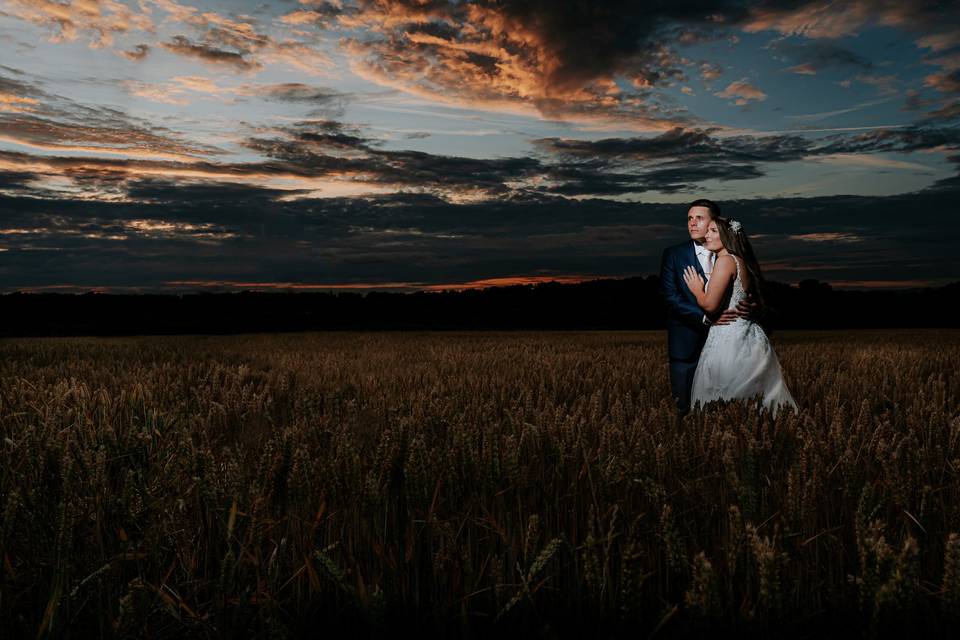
736,242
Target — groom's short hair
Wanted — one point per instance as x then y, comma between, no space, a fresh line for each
708,204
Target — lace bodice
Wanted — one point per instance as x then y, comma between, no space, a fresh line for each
738,292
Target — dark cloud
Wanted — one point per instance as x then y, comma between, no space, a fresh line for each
16,180
15,87
681,158
686,145
323,147
674,161
235,233
210,54
324,101
819,55
139,52
167,191
901,139
302,93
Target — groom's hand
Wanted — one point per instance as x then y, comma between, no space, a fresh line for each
747,308
726,317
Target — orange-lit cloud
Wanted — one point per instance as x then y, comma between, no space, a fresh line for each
845,238
509,281
484,56
123,138
13,103
820,19
407,286
238,43
743,91
805,69
293,286
97,19
710,71
944,82
881,284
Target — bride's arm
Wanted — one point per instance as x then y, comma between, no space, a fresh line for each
710,301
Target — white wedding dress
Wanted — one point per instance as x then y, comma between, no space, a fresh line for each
737,361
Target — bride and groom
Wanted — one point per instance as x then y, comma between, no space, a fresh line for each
711,284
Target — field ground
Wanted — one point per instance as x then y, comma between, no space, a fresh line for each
466,484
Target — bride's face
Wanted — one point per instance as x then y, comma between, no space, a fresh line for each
711,241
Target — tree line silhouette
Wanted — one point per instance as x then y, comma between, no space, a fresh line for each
630,303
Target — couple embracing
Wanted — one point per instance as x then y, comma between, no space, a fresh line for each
711,284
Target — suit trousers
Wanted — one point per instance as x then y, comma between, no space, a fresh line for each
681,381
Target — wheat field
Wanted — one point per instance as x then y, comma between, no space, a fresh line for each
464,484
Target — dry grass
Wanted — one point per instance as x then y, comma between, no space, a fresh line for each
463,482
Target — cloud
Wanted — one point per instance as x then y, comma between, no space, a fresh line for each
324,147
180,89
674,161
827,237
319,13
239,42
680,159
154,92
139,52
944,82
555,59
743,91
886,85
18,96
684,145
255,236
98,20
823,19
42,120
211,55
933,23
109,134
319,157
710,71
813,56
805,69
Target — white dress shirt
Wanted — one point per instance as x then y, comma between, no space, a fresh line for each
706,259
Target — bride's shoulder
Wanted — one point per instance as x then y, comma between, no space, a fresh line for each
726,265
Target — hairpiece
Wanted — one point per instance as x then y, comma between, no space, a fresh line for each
735,226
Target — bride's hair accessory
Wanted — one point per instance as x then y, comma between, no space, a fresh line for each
735,226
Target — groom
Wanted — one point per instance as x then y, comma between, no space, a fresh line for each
687,325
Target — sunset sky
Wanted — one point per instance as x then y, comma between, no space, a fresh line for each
161,145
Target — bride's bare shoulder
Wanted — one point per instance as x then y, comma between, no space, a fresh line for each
725,267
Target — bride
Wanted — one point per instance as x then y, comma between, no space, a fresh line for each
737,360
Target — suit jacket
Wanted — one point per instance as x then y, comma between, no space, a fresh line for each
686,331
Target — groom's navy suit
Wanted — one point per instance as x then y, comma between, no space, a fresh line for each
686,331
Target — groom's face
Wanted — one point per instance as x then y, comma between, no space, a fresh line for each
697,220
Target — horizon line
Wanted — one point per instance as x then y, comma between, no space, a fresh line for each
174,287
